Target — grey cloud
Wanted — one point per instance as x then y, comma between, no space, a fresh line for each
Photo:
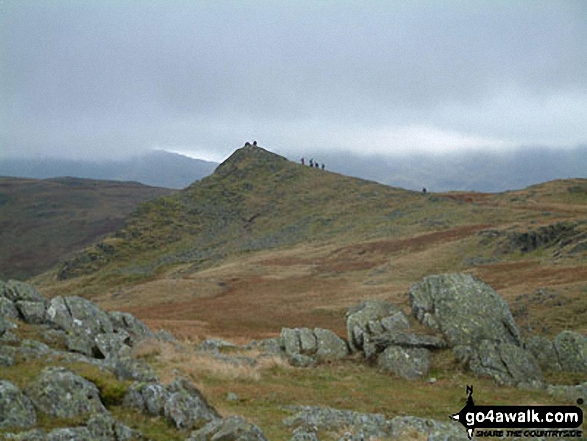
111,78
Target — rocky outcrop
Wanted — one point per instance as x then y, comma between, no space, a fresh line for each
61,393
16,409
306,347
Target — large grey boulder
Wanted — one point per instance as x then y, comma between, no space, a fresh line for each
61,393
16,409
571,348
506,363
233,428
15,291
464,309
409,363
186,407
76,313
433,430
370,318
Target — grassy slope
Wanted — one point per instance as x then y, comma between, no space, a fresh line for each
265,243
42,221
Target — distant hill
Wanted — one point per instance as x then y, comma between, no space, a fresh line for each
265,242
157,168
470,171
42,221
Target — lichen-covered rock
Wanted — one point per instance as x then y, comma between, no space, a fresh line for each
80,342
70,434
7,308
233,428
16,409
305,347
33,349
329,346
102,427
544,352
111,347
147,397
124,322
370,318
15,291
409,363
186,407
64,394
464,309
76,313
507,363
571,348
32,312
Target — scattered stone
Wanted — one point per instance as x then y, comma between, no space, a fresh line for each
16,409
464,309
231,396
111,347
64,394
80,342
274,345
569,393
571,348
233,428
409,363
404,426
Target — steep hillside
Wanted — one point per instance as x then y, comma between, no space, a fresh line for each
265,243
42,221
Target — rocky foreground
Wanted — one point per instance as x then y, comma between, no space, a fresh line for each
459,313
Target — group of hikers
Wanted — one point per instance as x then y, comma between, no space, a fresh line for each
313,163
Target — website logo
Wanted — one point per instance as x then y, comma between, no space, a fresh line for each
519,421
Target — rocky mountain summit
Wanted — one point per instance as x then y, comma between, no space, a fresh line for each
80,365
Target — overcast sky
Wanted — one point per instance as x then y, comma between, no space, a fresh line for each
105,79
